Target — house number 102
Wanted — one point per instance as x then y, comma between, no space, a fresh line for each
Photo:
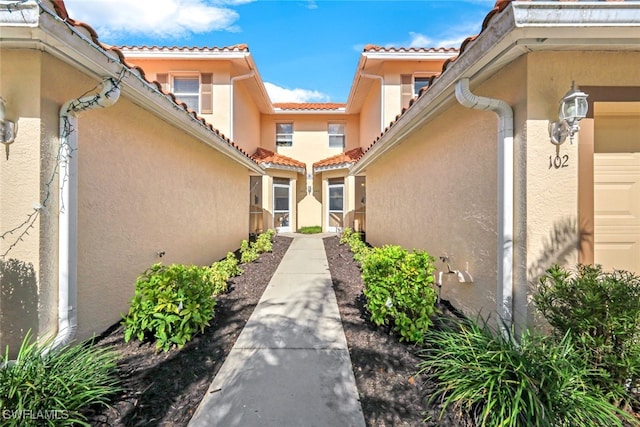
558,162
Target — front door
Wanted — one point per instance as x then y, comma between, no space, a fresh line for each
282,206
335,212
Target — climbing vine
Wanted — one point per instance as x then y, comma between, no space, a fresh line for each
64,154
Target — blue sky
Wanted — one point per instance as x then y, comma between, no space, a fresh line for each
305,51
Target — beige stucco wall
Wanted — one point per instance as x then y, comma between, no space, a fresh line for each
552,193
310,144
246,119
144,187
437,191
221,70
370,122
29,264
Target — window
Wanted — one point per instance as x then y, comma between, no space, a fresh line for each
419,83
187,90
410,87
284,134
195,90
336,135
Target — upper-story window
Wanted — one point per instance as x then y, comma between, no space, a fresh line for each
411,85
284,134
336,135
194,89
419,83
187,90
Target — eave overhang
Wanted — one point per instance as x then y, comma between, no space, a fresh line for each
45,31
522,27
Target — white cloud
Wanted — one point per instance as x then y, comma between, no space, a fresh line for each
157,18
281,94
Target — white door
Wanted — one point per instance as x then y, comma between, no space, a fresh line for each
281,207
617,211
335,209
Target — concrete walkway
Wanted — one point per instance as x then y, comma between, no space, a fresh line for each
290,366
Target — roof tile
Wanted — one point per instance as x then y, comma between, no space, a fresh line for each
346,157
262,155
309,105
61,10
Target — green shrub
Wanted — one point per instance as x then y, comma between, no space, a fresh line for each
53,387
359,248
171,304
399,291
539,382
313,229
602,311
221,271
248,252
263,243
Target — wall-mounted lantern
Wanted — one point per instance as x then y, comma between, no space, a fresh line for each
8,129
573,108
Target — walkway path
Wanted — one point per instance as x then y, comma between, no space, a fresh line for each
290,366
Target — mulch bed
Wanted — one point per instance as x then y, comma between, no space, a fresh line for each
164,389
384,368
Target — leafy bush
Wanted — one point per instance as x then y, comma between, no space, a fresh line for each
539,382
263,243
171,303
399,291
248,252
602,311
313,229
359,248
52,387
220,272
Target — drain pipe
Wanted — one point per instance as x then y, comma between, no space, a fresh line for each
505,194
381,78
233,80
68,215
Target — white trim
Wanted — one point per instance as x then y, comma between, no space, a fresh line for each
328,206
288,211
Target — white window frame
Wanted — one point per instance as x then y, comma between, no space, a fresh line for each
335,135
425,79
193,75
284,139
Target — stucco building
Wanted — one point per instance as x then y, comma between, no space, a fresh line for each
133,155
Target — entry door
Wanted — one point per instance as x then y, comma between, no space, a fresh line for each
282,207
335,211
617,211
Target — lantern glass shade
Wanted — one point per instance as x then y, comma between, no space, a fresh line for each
574,106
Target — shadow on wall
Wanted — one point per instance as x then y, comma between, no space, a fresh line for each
18,303
562,243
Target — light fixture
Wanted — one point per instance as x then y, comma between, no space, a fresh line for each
8,130
573,108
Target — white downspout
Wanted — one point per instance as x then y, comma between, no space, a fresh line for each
68,215
505,192
233,80
375,76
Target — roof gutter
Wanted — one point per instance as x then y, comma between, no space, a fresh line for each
505,193
68,205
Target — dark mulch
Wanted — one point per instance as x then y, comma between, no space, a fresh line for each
166,388
385,368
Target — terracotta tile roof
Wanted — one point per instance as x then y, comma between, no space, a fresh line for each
346,158
376,48
499,6
268,157
308,106
61,10
204,49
